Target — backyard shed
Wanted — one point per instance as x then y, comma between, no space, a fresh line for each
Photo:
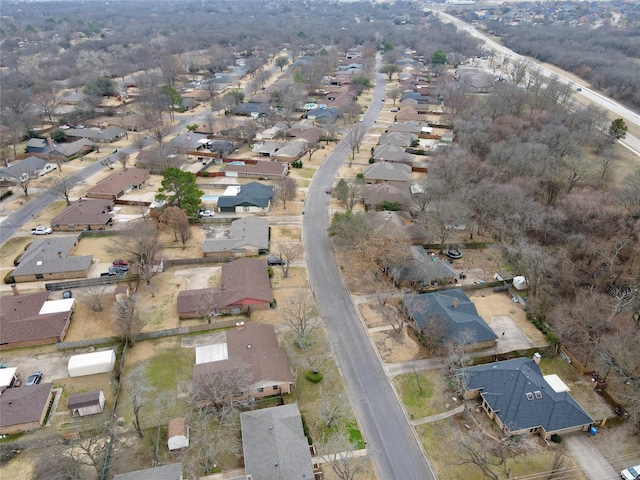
92,363
178,433
520,283
86,403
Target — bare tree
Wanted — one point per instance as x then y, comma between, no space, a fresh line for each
172,218
332,408
476,449
355,139
313,147
141,393
159,131
208,307
139,140
285,190
222,389
340,453
421,198
123,159
127,322
287,252
301,314
140,242
46,99
393,318
93,294
62,185
394,93
348,193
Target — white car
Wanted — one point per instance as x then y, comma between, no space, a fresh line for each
206,213
631,473
41,230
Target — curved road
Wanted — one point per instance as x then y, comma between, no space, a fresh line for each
391,441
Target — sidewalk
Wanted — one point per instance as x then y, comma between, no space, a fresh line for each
439,416
591,461
395,369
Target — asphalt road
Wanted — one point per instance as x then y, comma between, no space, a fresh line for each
629,116
391,441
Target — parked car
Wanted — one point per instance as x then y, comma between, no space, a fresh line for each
327,190
67,294
118,270
206,213
631,473
273,260
34,379
120,262
41,230
49,167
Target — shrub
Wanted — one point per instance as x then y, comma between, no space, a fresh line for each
372,160
314,377
555,438
8,278
6,194
16,260
270,270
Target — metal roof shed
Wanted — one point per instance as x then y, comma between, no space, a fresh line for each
92,363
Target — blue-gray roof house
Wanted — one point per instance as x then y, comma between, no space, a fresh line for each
253,197
521,400
456,317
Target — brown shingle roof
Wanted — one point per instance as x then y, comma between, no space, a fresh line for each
24,405
119,182
86,211
249,277
260,168
177,426
85,399
20,319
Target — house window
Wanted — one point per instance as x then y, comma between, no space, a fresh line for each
217,312
261,389
39,276
245,209
275,387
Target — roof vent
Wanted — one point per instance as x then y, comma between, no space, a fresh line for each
529,395
538,394
249,346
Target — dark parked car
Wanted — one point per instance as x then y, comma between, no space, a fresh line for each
275,261
118,270
34,379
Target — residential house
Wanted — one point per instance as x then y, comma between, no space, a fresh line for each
264,170
412,126
119,183
50,259
475,80
292,151
86,403
251,109
96,135
85,214
172,471
376,194
309,133
381,172
402,225
399,139
29,319
267,148
249,236
324,115
423,270
449,316
392,153
178,433
250,346
24,409
253,197
521,400
37,145
157,161
68,150
31,166
411,113
245,287
272,132
274,444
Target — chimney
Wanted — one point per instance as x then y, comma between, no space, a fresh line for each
59,254
536,358
455,302
14,289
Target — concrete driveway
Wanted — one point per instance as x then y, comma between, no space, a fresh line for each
197,277
510,337
591,461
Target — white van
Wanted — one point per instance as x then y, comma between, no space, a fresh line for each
631,473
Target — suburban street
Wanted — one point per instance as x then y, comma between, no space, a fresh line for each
390,440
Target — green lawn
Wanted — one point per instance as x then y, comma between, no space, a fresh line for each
423,393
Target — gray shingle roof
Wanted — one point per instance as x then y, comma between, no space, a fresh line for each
458,319
31,165
504,386
245,232
49,255
173,471
274,444
251,194
398,172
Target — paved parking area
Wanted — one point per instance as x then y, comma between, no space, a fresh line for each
510,336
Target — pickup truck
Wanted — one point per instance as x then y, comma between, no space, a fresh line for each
41,231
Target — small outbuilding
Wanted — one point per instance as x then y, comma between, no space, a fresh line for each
178,433
86,403
520,283
92,363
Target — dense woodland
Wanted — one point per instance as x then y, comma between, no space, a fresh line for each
529,175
